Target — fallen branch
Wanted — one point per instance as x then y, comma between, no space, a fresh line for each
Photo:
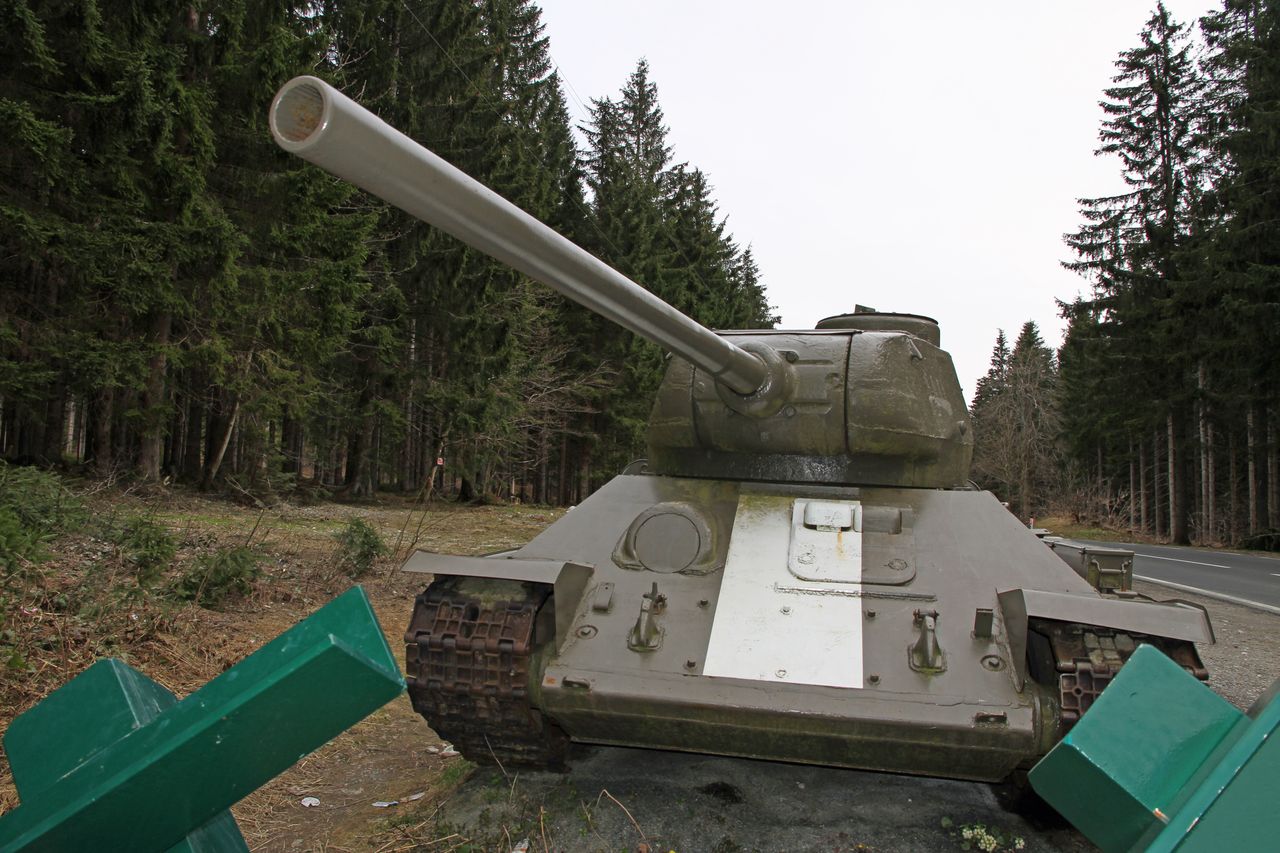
605,793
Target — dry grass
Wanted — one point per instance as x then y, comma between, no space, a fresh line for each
82,604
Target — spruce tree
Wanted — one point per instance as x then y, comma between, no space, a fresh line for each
1015,422
625,166
1243,246
993,382
1131,244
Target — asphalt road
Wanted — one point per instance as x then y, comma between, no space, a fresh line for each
1242,578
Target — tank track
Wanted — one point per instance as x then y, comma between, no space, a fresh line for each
1080,660
469,651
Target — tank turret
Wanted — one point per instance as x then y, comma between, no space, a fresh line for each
800,573
867,398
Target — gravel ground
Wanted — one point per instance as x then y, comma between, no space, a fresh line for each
642,800
1245,660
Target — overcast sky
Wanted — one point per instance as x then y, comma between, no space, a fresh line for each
919,157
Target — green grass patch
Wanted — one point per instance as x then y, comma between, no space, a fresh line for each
456,772
1061,526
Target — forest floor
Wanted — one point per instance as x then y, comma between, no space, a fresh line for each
82,605
612,800
1061,525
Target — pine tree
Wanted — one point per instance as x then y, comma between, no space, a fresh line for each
700,277
1131,244
1244,243
128,91
1015,417
186,299
625,167
260,343
993,382
751,304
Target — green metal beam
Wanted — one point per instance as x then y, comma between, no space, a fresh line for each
111,761
1160,762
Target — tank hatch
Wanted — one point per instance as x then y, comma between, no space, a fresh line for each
864,319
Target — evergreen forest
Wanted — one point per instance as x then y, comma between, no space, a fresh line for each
183,302
1160,413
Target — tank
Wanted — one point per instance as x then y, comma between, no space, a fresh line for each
801,570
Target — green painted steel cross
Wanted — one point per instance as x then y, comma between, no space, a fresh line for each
113,761
1162,763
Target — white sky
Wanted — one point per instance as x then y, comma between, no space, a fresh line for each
919,157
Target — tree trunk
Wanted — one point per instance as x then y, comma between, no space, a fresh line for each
224,441
375,458
290,445
1024,491
1233,490
254,449
409,446
1211,494
1251,468
1273,474
564,470
466,494
102,448
584,476
544,463
1202,424
193,436
1177,484
1104,485
1142,488
1156,467
149,444
173,437
1133,494
359,448
55,420
75,430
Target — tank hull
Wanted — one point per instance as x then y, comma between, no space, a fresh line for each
902,649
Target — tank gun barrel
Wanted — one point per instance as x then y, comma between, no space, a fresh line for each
312,119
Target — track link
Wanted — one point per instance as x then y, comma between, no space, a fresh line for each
468,654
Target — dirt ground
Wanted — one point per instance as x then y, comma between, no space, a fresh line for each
612,799
182,646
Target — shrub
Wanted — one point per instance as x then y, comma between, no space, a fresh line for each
359,547
147,547
214,578
19,545
38,499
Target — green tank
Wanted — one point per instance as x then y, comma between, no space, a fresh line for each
801,571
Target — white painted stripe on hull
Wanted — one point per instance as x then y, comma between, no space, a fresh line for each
762,633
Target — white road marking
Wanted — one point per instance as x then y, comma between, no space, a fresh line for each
1176,560
1209,594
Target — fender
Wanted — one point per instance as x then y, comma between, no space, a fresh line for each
567,580
1177,620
